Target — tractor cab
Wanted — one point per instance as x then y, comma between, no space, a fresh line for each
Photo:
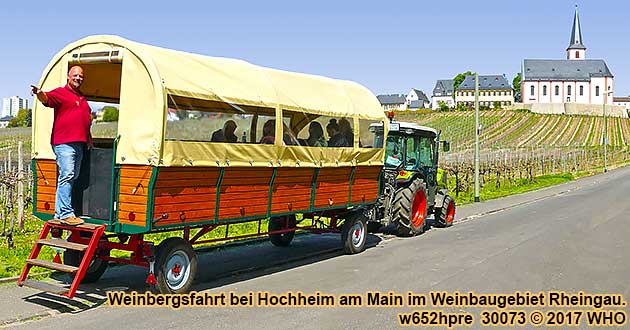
411,149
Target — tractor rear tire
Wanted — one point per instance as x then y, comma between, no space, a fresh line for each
410,208
445,215
278,223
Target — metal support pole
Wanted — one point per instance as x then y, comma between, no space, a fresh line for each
476,137
605,133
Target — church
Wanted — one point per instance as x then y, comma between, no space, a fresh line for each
577,79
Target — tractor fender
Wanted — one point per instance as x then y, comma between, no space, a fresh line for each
440,195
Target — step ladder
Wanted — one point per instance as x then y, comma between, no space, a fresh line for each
96,232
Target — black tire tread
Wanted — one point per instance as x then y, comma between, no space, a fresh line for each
440,213
402,212
282,239
93,273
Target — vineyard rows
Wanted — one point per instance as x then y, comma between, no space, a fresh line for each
502,129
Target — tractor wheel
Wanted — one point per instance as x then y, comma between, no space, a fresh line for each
175,265
96,268
354,233
278,223
445,215
410,209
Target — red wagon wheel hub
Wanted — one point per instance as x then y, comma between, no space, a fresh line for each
418,209
450,212
176,269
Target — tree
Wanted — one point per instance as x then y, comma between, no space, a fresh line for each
496,105
461,107
442,106
460,78
516,83
110,113
24,118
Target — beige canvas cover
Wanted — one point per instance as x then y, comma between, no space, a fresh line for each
150,75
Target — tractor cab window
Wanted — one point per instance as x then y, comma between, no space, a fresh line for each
427,152
402,149
412,152
394,151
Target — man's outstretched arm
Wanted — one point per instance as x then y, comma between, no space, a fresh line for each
41,95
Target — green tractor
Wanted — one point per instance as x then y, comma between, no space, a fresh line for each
411,180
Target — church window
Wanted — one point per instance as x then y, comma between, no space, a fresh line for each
581,90
544,90
577,54
531,89
557,90
568,90
596,90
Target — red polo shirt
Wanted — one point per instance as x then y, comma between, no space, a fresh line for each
72,115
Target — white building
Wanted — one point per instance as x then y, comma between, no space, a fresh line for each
574,80
4,121
443,91
623,101
393,101
11,105
492,89
416,99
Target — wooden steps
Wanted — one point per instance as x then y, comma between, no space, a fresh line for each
52,265
46,287
60,243
57,227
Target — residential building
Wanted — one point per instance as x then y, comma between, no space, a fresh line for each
623,101
416,99
574,80
393,101
4,121
443,91
11,105
492,89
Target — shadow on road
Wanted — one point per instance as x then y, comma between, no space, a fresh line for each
217,266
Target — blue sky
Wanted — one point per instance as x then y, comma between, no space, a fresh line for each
388,46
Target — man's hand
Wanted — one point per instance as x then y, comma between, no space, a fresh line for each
35,90
90,143
41,96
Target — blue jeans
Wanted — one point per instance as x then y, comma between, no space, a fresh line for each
69,156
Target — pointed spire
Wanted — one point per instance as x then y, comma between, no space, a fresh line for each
576,33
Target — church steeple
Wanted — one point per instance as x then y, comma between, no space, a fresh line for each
576,50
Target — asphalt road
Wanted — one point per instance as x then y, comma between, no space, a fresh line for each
575,240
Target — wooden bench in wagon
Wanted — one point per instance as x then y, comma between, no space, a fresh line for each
176,164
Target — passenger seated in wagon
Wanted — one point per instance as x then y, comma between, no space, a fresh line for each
225,134
316,135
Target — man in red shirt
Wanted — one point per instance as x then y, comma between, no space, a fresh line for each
70,135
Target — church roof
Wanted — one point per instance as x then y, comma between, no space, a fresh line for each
576,33
485,82
564,69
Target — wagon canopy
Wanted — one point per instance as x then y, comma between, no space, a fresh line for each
146,81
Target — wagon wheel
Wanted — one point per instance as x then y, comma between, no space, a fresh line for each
97,265
410,208
445,215
175,265
354,233
279,223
